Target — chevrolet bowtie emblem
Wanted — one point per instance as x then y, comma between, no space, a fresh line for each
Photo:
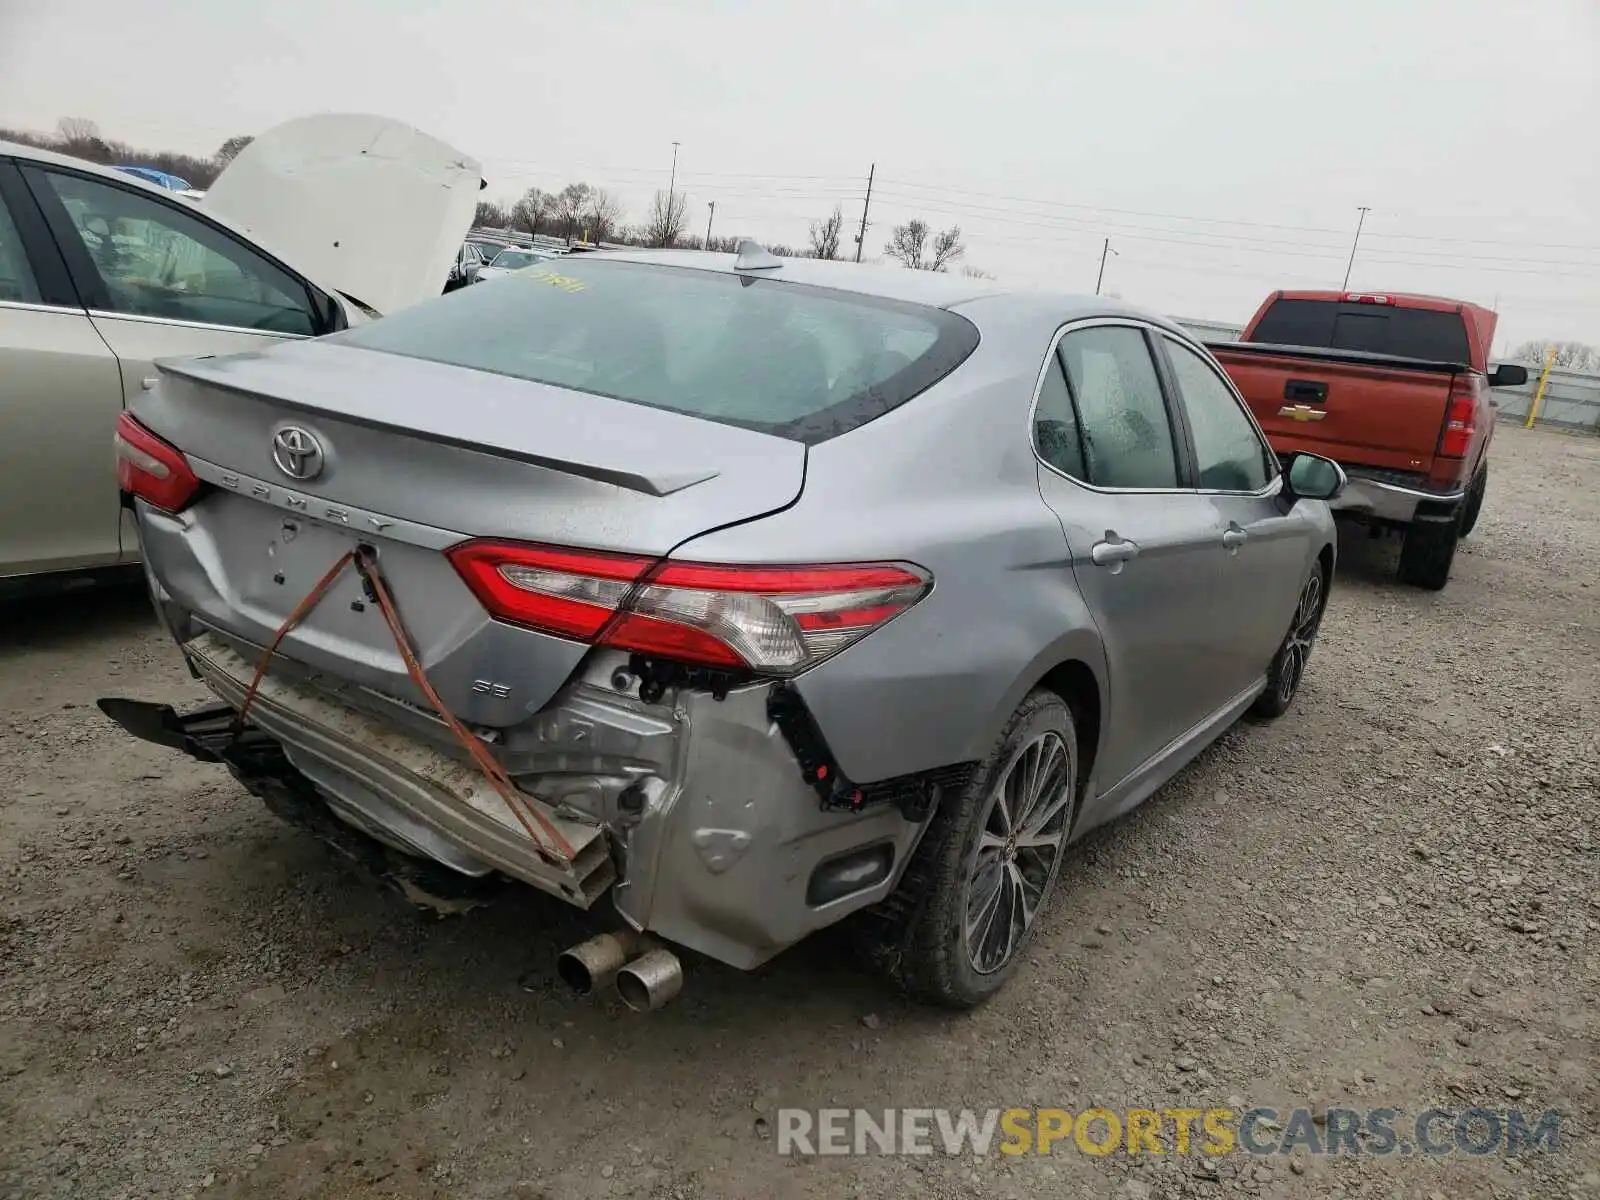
1301,412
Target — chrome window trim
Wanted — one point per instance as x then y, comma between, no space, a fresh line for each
108,315
1271,455
40,306
1038,390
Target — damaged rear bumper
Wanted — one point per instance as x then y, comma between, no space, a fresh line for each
693,811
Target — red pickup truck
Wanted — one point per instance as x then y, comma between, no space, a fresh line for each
1395,389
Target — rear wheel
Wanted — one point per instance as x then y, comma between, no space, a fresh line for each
1289,664
988,863
1474,503
1429,550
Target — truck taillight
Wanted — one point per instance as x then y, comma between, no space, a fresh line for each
150,468
1460,418
1367,298
774,620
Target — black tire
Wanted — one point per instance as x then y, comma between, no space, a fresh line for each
1288,665
1474,502
929,952
1429,550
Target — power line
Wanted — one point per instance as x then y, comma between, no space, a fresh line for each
1134,212
1183,238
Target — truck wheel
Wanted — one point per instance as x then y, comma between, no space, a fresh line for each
984,870
1429,549
1288,666
1474,502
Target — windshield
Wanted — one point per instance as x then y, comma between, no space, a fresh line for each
511,260
802,362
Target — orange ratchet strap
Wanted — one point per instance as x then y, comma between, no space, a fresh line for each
551,844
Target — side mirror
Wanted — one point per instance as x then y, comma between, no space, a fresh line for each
1508,375
1312,477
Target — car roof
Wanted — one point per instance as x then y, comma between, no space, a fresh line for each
934,288
980,299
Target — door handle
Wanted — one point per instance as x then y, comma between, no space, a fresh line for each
1113,551
1233,537
1301,389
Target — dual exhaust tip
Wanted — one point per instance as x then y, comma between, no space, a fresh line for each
646,976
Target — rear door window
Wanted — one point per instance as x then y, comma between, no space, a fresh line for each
803,362
1125,429
1371,328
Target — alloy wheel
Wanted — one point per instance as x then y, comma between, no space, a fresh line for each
1302,632
1023,834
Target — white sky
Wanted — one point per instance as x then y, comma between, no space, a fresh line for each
1223,147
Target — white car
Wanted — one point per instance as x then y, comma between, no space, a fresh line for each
514,258
321,223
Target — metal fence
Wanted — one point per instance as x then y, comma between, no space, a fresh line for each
1571,398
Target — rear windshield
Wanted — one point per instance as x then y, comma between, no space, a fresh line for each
1373,328
801,362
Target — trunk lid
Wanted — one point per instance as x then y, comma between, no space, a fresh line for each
413,457
1360,409
362,204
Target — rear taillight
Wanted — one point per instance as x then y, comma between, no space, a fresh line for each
150,468
1366,298
774,620
1460,417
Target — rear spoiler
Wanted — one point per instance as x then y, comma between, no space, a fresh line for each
1355,358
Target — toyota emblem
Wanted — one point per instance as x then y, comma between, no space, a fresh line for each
297,452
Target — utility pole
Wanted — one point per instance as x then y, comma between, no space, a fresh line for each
862,236
1105,249
708,223
672,188
1359,222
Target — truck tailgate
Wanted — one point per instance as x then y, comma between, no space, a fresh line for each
1360,409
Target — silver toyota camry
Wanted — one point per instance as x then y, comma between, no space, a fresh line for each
742,594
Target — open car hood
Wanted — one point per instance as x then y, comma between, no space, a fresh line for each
365,205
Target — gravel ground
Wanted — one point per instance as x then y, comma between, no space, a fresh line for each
1389,897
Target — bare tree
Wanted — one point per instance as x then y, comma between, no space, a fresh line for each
669,213
972,272
1569,356
532,210
910,246
77,129
229,150
490,215
604,216
825,235
569,206
947,248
